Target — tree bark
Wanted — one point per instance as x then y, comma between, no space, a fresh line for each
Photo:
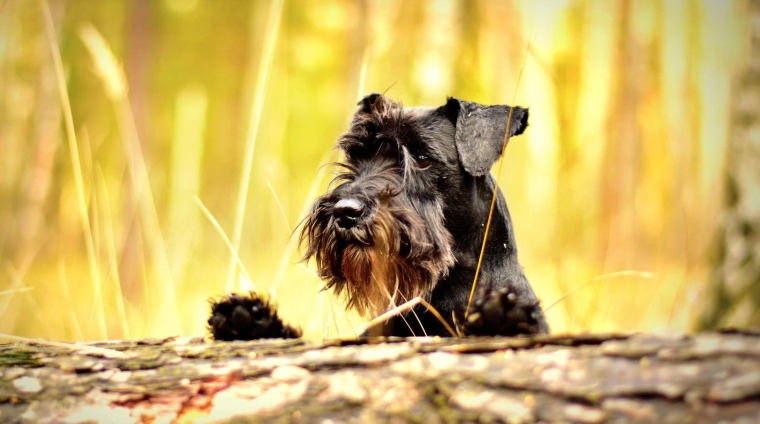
706,378
733,297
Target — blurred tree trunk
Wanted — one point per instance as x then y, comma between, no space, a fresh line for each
733,297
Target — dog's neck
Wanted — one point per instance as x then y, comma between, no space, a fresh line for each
467,220
467,223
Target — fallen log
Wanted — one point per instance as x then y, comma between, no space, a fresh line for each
709,377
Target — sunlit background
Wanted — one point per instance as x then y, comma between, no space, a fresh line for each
615,189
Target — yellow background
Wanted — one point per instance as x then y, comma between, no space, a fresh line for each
620,169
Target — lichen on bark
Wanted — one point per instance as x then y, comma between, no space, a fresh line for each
586,378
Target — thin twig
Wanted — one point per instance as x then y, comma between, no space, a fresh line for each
70,308
488,223
415,315
82,349
438,315
392,302
383,317
403,308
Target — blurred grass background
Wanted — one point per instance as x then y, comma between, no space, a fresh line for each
100,232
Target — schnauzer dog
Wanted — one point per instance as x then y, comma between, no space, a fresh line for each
405,217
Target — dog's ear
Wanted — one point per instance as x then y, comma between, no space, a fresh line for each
480,129
365,104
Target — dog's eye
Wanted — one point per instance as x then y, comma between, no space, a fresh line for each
422,161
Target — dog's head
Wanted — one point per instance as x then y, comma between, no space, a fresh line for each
379,234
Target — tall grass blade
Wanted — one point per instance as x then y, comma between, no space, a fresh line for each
293,241
227,241
100,323
315,185
498,177
112,75
273,28
111,247
70,307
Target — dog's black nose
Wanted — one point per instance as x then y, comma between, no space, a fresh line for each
347,212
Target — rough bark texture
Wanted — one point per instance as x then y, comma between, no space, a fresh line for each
733,296
596,378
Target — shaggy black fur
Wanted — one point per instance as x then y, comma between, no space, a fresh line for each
501,312
247,317
405,216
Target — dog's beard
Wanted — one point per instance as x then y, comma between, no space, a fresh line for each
380,264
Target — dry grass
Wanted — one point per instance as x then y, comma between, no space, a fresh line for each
77,172
273,28
403,308
498,176
227,242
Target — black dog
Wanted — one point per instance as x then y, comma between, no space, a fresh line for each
406,217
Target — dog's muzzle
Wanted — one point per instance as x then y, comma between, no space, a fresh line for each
348,212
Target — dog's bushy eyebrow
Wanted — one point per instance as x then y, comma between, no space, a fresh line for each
344,173
399,139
